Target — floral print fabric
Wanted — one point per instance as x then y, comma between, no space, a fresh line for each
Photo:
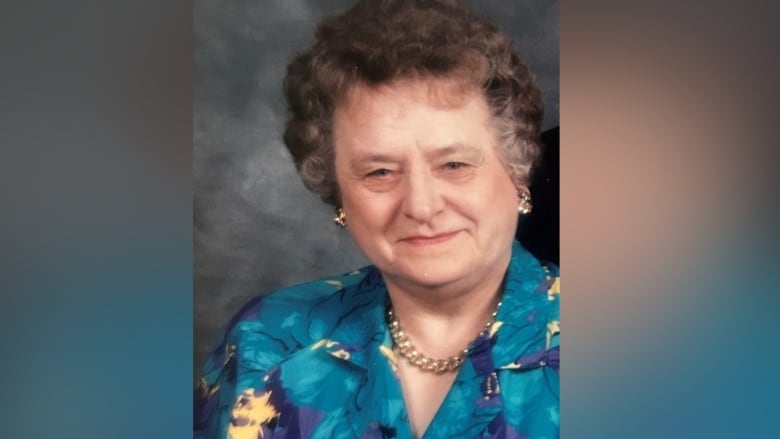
316,361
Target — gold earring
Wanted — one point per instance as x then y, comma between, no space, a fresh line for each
341,218
525,206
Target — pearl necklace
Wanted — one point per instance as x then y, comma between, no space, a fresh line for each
403,346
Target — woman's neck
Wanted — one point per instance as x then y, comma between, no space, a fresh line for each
440,322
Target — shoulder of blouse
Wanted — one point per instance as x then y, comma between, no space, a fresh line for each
267,330
273,326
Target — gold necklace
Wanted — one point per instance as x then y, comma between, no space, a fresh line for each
403,346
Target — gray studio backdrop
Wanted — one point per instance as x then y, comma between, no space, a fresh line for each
256,227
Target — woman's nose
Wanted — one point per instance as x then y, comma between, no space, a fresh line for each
423,198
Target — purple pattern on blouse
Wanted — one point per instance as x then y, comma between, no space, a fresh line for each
541,358
204,407
294,422
499,429
544,285
481,354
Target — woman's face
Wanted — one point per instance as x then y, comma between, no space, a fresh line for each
425,194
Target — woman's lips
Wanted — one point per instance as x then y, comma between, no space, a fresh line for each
429,240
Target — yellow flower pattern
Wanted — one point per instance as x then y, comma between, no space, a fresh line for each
250,412
390,355
335,283
554,290
553,328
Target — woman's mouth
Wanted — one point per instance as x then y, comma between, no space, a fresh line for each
431,239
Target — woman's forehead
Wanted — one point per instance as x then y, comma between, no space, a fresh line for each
438,92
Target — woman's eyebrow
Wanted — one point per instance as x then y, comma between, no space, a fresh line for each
367,157
362,159
468,150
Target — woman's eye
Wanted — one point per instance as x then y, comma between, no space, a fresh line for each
454,165
379,173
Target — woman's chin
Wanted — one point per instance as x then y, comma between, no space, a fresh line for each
430,275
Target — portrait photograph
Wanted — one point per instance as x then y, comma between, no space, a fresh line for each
376,226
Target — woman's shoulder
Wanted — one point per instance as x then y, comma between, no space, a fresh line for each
272,328
532,294
321,299
309,293
287,319
533,275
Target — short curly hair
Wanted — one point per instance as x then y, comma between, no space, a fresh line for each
379,41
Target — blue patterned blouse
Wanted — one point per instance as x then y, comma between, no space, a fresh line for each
316,361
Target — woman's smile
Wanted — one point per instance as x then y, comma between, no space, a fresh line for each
422,240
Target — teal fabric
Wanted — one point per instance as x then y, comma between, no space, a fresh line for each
316,361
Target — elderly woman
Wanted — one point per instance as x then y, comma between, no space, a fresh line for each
419,123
